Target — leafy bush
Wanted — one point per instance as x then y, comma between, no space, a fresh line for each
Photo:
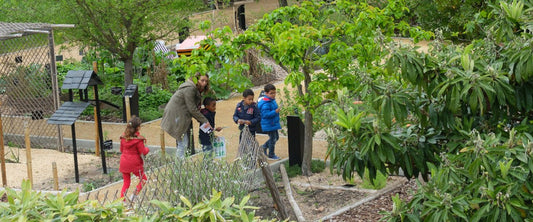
490,179
449,16
28,205
214,209
317,166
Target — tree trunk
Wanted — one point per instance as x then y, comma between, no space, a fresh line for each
128,72
283,3
308,143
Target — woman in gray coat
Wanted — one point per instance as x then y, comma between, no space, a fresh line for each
184,105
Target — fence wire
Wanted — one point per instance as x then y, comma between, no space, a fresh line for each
27,91
170,177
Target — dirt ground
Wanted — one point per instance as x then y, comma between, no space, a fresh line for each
320,195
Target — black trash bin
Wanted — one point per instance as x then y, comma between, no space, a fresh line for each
295,129
133,93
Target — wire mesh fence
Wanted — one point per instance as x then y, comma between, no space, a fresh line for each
195,177
27,90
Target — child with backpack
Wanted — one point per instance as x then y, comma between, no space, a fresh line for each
270,120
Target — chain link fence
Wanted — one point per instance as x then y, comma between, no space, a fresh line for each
28,86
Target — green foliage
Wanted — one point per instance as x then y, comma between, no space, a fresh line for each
149,103
213,209
449,16
418,105
28,205
31,81
331,37
317,166
222,61
376,184
491,178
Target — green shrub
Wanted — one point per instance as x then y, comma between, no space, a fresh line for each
376,184
490,179
214,209
317,166
28,205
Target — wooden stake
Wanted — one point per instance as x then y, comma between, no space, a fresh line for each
271,184
28,154
288,191
128,108
54,171
96,138
162,137
2,154
97,135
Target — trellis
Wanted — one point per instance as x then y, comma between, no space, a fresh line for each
29,91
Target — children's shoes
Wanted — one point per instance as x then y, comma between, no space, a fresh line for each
274,157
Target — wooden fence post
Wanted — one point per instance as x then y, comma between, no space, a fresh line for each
2,154
162,138
128,108
54,171
271,184
96,138
28,153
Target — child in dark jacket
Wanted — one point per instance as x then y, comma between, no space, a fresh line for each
270,120
132,146
209,111
247,113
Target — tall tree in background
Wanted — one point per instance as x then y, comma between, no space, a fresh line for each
118,26
121,26
331,37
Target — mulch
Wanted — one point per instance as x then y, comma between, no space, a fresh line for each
370,211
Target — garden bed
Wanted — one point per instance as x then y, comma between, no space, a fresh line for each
324,194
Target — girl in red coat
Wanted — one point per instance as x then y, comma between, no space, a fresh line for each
132,147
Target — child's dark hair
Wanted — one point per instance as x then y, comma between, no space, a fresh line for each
269,87
131,127
247,92
209,100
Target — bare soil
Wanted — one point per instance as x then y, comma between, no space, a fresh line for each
323,194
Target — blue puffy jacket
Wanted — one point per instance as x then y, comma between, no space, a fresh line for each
269,117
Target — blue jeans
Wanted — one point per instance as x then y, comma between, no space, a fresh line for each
270,144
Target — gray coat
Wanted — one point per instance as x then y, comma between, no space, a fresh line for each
183,105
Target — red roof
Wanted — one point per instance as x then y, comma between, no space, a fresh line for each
191,43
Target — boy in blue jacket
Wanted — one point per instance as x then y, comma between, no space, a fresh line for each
247,113
270,120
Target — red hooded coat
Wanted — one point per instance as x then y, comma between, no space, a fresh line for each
130,159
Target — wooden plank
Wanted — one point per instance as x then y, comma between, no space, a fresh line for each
271,185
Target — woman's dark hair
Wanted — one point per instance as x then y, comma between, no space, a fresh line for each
269,87
209,100
247,92
197,76
131,127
